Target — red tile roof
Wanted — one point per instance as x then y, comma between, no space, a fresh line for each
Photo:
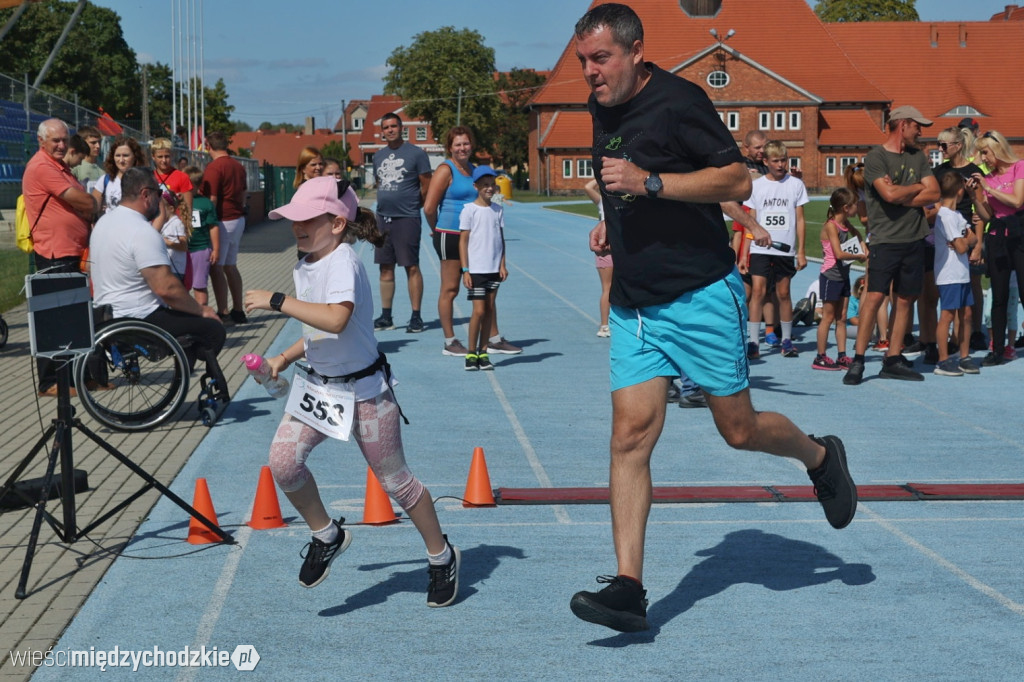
277,148
811,61
848,128
942,65
568,129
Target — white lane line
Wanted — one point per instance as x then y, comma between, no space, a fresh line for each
218,598
524,442
960,573
554,293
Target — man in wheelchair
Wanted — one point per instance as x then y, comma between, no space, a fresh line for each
132,274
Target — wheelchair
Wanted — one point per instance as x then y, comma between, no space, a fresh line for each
137,377
3,332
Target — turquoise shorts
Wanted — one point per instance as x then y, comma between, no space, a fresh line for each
701,334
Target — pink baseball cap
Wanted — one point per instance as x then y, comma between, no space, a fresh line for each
315,197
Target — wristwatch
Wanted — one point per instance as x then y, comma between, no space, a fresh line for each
277,300
653,185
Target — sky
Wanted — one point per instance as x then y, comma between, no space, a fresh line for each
284,61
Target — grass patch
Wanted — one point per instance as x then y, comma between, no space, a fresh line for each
527,197
13,268
588,209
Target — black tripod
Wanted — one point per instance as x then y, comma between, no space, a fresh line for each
60,429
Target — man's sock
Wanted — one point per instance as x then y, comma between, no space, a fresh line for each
787,330
754,332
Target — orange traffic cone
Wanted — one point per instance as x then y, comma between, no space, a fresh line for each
266,511
198,533
478,487
377,509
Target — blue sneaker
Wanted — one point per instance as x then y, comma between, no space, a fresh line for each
788,350
772,340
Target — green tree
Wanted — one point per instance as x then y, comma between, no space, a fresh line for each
512,129
94,63
158,81
241,127
336,149
428,74
866,10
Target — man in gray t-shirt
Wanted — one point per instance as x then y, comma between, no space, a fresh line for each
402,173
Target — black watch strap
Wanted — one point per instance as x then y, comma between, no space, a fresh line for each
276,301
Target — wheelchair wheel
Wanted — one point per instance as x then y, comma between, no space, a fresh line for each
136,377
3,333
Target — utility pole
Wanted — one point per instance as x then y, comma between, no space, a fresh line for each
458,110
145,101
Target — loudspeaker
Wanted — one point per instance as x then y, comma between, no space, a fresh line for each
59,314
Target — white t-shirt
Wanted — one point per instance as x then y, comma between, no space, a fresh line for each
950,267
173,229
339,278
111,191
121,245
485,225
775,203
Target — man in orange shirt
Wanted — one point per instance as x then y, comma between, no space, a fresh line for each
60,212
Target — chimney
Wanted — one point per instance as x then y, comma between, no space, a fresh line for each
933,31
1010,9
310,125
963,35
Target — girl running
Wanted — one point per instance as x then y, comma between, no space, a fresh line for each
840,243
335,305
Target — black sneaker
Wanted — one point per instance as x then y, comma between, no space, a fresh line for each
383,323
833,486
444,580
319,555
225,319
898,370
914,348
753,352
1019,343
238,317
622,605
472,362
931,354
483,362
993,359
855,374
415,325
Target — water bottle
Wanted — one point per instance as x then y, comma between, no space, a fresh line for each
260,371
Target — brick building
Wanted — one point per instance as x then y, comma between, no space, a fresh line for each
823,88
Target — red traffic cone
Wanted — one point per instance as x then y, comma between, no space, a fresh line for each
198,533
478,487
266,511
377,509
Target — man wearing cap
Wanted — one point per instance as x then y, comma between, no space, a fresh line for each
899,184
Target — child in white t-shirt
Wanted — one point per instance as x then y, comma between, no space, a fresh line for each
777,203
953,239
334,303
482,251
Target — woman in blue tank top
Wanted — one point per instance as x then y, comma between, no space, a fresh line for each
451,188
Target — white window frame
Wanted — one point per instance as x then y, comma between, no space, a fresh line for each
584,168
780,120
566,168
405,133
732,120
357,123
421,133
794,120
764,120
794,162
718,72
830,165
845,161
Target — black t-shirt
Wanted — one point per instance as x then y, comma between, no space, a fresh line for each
965,206
662,248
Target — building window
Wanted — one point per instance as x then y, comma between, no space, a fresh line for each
845,161
421,133
584,168
794,120
764,120
566,168
780,120
718,79
963,110
405,133
830,165
732,120
357,124
794,163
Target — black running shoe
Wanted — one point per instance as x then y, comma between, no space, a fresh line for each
444,580
833,486
383,323
238,316
993,359
622,605
855,374
898,370
319,555
931,354
415,325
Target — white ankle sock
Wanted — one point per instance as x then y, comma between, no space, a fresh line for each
328,534
442,558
